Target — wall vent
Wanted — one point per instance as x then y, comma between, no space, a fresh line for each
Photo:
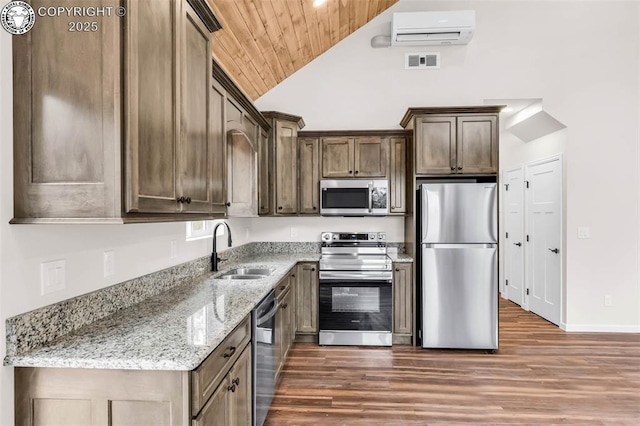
422,61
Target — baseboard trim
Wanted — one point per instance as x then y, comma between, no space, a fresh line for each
601,328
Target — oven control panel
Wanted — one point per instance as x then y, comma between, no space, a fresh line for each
364,237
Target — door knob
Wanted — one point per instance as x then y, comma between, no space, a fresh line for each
556,251
517,244
228,204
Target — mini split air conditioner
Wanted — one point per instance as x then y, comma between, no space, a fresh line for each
432,28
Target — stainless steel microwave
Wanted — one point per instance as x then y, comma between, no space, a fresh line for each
354,197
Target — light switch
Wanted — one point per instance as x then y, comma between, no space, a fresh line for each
52,276
584,232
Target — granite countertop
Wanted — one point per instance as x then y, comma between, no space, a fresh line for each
175,330
400,258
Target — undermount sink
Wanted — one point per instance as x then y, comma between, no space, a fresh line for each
247,273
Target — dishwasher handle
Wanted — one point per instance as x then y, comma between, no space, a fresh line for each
266,317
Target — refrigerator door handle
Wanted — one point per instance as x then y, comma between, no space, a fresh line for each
461,246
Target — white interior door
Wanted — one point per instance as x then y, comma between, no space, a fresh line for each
543,204
514,241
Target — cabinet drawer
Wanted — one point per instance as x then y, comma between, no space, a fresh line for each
206,378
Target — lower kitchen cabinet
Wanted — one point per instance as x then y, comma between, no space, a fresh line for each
217,392
307,283
230,404
285,318
402,303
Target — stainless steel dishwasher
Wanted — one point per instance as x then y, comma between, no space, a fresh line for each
263,320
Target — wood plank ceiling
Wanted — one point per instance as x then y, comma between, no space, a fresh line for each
262,42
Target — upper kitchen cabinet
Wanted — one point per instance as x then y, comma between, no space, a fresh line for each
397,175
169,134
67,122
456,140
354,157
283,161
117,125
309,189
244,132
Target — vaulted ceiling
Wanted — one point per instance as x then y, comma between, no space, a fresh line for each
262,42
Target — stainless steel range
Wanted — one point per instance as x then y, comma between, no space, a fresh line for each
355,289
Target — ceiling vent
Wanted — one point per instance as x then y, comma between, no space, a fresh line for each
422,61
432,28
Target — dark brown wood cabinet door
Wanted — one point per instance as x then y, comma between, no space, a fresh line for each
240,379
370,157
309,191
435,145
402,298
286,170
218,150
307,298
195,147
242,169
398,175
477,144
264,177
152,106
337,157
67,118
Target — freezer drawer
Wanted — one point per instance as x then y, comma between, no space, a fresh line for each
459,296
459,213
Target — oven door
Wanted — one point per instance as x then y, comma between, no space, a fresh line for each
355,305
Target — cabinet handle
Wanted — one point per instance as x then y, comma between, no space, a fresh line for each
236,381
232,350
232,388
356,172
228,204
279,207
393,207
554,250
293,275
314,207
285,306
397,270
188,200
452,168
517,244
459,168
282,287
350,172
180,199
313,269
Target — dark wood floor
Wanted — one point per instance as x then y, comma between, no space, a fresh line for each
540,375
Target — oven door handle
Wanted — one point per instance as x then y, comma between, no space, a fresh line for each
355,276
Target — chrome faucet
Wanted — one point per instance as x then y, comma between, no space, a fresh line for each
214,254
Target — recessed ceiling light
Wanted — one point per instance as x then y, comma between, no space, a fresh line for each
318,3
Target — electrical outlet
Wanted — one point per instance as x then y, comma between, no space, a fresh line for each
608,300
294,232
174,249
52,276
584,232
109,263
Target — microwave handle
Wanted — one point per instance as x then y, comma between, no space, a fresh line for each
370,197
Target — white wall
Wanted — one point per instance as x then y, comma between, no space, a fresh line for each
309,228
526,49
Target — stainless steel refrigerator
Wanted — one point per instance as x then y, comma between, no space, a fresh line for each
459,265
